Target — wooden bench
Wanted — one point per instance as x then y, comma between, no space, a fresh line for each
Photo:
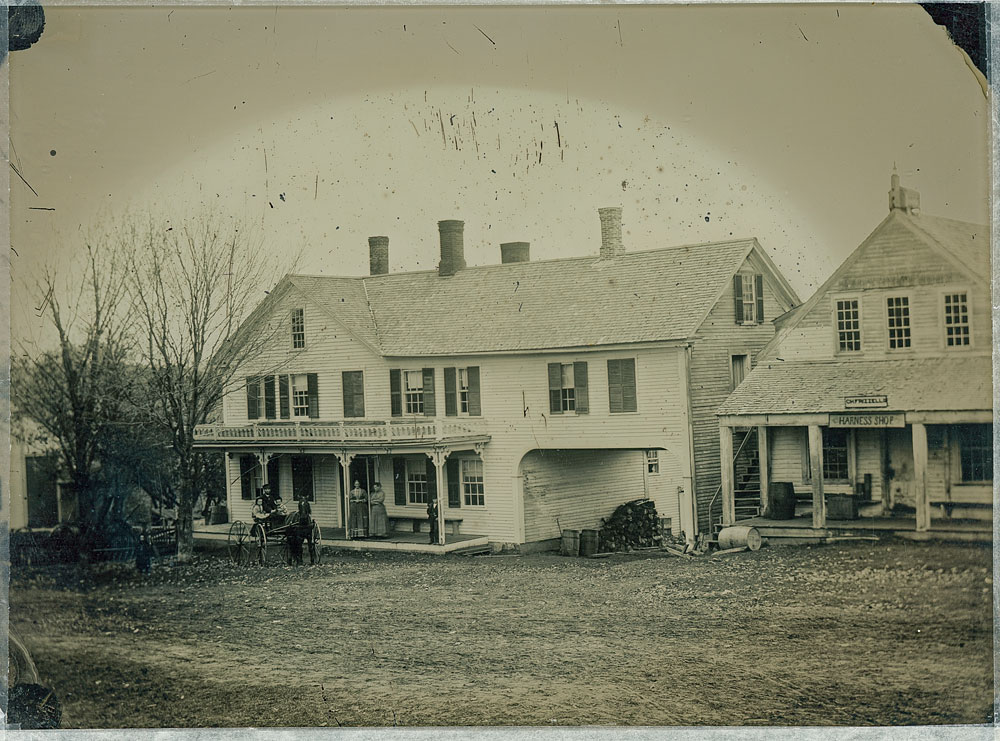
455,522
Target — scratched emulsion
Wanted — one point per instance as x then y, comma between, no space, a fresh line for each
515,165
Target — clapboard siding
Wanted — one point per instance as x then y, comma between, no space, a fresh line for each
894,263
560,490
662,488
326,492
720,337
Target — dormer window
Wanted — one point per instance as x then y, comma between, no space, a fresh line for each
748,290
298,329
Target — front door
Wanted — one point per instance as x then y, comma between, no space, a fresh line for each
900,467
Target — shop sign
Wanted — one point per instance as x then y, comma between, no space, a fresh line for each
866,401
867,420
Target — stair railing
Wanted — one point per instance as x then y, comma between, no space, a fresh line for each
711,504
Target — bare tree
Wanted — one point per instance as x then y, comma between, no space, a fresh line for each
194,286
76,392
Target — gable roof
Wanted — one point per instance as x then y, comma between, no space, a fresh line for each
963,244
655,295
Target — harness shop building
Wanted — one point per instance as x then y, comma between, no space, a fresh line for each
875,397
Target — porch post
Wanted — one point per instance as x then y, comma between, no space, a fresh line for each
439,458
920,476
765,469
726,462
345,468
816,471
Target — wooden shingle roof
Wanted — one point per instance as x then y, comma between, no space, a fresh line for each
655,295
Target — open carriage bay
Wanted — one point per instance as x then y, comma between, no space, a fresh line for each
383,639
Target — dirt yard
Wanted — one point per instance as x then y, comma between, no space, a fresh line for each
884,634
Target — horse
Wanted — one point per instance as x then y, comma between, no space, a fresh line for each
298,528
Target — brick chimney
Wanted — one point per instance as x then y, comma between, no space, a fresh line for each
452,247
515,252
611,232
902,199
378,255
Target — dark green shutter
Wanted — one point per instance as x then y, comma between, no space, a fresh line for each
432,485
253,397
429,410
450,393
247,465
628,385
615,394
738,294
269,407
283,396
399,481
313,386
454,483
475,406
555,388
759,281
396,393
581,391
302,478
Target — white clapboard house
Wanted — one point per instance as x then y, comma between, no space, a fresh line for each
879,387
526,396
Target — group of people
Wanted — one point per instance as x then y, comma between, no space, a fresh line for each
367,517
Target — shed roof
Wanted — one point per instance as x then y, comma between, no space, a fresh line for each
960,383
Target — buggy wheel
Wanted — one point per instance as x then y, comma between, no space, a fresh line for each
315,547
239,544
258,545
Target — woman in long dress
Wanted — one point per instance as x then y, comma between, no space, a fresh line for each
378,524
357,520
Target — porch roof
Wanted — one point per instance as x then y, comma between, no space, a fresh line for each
960,383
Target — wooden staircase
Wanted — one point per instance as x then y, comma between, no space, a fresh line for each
746,482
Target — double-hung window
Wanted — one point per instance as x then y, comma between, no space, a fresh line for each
848,315
748,291
652,461
298,329
416,485
975,444
463,390
835,442
957,332
567,391
300,395
898,317
473,491
414,391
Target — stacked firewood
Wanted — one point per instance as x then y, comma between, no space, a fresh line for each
633,525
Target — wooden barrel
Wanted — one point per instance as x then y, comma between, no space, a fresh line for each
738,536
588,542
780,501
570,545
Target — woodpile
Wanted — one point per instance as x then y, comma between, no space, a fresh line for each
633,525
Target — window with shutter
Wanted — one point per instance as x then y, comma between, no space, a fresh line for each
621,385
581,391
274,476
759,297
302,478
431,474
473,489
555,388
429,407
300,395
738,297
354,393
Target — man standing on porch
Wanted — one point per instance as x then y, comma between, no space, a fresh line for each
357,522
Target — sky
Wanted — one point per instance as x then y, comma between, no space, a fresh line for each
324,126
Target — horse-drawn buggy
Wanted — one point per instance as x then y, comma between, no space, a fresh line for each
295,532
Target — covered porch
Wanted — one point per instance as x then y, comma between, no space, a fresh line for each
421,462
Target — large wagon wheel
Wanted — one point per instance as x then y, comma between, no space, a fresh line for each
258,545
315,547
239,543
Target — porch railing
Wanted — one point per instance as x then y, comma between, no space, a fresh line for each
400,429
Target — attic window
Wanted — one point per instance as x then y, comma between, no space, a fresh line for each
748,292
956,319
298,329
